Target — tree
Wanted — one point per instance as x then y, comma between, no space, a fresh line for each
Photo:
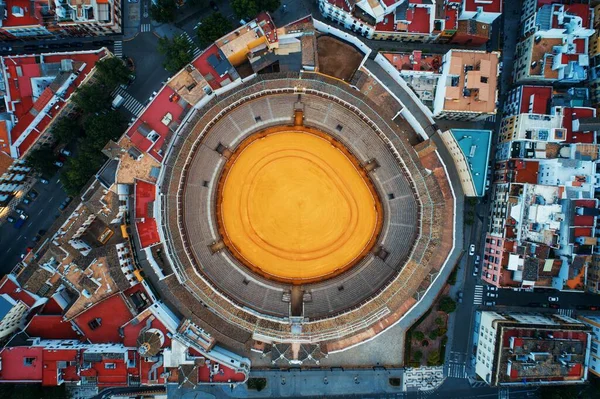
178,52
433,359
112,71
92,98
249,8
42,160
257,384
418,355
65,129
418,335
433,335
79,170
447,304
163,11
212,28
439,321
101,128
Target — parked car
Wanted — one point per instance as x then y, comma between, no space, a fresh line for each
10,219
492,288
36,238
472,250
475,271
65,152
552,299
41,232
492,295
20,211
43,181
59,164
26,201
477,259
32,194
489,303
65,203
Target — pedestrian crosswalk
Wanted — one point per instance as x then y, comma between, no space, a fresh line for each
118,48
455,370
477,384
130,104
196,51
145,28
566,312
478,297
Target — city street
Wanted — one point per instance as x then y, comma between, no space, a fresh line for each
42,213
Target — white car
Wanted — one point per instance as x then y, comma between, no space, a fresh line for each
472,250
552,299
492,295
59,164
492,288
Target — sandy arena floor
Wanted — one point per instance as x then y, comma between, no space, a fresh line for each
296,207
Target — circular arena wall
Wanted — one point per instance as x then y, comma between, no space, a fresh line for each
381,279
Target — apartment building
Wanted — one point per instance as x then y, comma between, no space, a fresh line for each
528,349
467,88
554,44
416,20
37,19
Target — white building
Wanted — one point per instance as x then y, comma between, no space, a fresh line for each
594,323
516,349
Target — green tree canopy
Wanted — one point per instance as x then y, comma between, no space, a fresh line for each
101,128
418,335
65,130
249,8
433,359
92,98
447,304
212,28
112,71
79,170
163,11
418,355
42,160
178,52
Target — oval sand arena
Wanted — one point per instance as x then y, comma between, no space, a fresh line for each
295,206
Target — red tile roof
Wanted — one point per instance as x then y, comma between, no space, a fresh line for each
112,312
570,114
165,102
539,95
145,193
340,4
202,65
418,21
16,368
582,10
19,71
268,26
12,288
50,327
225,374
28,18
51,370
487,6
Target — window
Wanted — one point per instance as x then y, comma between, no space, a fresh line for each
110,366
28,361
93,324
